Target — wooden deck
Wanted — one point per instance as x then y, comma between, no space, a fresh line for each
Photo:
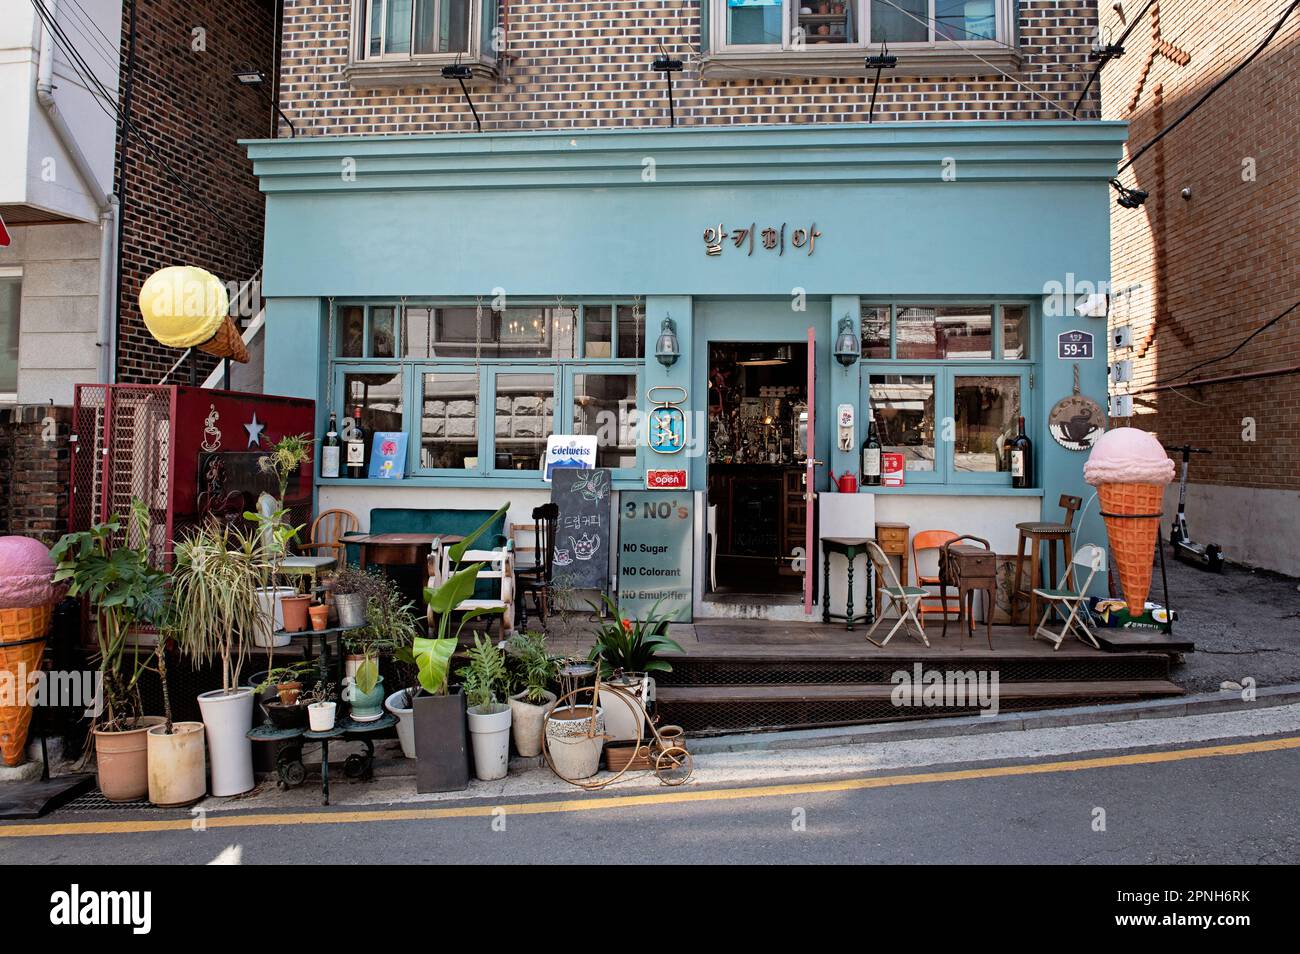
737,675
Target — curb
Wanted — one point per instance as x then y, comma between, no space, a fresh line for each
1222,701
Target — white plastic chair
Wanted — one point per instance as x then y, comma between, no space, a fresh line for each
1092,558
904,600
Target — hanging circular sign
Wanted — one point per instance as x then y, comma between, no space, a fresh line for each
1076,422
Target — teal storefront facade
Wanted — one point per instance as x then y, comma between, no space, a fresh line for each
876,224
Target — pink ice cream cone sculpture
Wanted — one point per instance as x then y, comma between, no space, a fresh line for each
27,598
1130,470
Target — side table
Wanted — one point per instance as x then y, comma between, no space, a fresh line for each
288,759
850,548
892,539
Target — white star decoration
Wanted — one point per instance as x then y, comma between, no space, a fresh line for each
254,431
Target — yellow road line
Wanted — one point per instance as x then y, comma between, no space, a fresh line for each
326,816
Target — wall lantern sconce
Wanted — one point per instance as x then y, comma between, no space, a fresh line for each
663,63
256,79
459,72
847,348
667,348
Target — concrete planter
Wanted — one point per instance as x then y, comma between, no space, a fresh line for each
405,722
269,631
122,761
226,718
441,752
177,764
574,745
527,722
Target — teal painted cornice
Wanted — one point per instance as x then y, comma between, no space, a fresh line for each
736,156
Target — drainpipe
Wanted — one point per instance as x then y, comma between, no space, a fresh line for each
107,203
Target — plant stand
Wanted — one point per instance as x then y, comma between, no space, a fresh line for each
288,761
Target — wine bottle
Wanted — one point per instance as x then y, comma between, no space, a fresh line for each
1021,452
871,458
356,446
329,449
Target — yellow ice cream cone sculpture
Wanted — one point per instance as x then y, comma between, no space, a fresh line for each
27,598
1130,470
186,307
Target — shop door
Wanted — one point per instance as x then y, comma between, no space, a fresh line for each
810,470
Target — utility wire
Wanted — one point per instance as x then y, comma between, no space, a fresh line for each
1223,81
1104,60
1228,354
70,49
87,28
926,21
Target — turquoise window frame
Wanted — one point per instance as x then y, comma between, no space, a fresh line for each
415,423
489,381
945,371
628,366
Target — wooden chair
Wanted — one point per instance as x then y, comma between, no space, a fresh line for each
326,550
903,599
537,580
1093,559
499,565
1035,533
926,540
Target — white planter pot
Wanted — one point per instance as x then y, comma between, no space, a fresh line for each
268,633
405,722
623,716
526,724
320,716
177,765
226,718
574,748
489,733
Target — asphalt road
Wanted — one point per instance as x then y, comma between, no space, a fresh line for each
1236,808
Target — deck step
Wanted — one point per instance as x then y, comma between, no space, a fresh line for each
721,709
1048,691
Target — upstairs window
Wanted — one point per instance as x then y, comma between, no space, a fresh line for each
399,30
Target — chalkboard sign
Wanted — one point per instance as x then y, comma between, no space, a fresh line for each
582,532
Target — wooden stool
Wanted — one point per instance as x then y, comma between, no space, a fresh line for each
1036,533
851,548
892,539
970,569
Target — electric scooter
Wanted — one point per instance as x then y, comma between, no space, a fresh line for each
1207,556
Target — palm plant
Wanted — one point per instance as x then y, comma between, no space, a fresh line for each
625,645
431,655
218,569
124,589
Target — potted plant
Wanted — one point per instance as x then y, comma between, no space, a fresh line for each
321,707
439,715
271,540
320,616
627,652
364,690
489,717
123,589
352,589
287,708
214,582
534,671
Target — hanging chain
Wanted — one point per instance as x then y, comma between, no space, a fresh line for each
399,329
636,322
478,335
1076,379
329,362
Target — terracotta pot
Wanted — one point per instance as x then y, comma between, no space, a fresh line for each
288,692
294,610
320,616
122,760
177,768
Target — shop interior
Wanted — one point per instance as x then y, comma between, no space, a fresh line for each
758,437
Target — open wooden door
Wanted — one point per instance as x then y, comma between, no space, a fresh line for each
810,472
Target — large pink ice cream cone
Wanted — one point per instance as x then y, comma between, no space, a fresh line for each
1130,470
27,598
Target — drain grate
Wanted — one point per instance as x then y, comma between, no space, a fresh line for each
94,801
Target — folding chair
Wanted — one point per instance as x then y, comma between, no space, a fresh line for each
904,600
1092,558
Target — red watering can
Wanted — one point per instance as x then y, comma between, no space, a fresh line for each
846,483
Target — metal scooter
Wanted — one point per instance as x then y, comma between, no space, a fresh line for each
1207,556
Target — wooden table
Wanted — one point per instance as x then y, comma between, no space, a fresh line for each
850,548
893,539
397,549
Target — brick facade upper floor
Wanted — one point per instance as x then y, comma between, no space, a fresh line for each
366,67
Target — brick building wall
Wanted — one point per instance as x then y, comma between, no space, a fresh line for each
34,462
585,63
193,111
1210,268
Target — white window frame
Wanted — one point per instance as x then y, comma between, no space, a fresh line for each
1003,11
361,10
8,272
